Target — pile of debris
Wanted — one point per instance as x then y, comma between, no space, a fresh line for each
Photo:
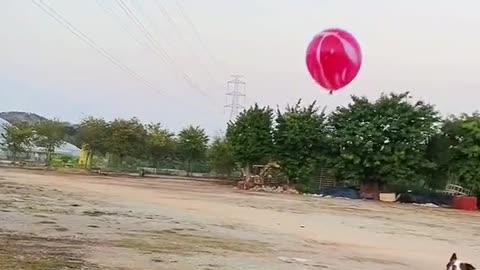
263,179
252,186
269,189
277,189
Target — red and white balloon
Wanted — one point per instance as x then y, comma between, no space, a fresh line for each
334,59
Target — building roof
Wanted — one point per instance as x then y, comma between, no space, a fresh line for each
66,149
2,123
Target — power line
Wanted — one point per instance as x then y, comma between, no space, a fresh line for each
182,37
236,93
122,25
141,26
91,43
199,37
79,34
158,49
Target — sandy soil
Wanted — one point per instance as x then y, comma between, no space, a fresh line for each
53,221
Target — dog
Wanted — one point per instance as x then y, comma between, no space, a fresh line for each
455,264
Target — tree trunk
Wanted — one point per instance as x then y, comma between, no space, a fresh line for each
189,168
87,158
88,162
121,162
49,158
246,171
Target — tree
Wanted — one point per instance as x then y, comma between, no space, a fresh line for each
72,134
463,163
385,140
251,136
161,144
50,135
18,138
93,136
126,138
301,142
439,153
221,156
192,145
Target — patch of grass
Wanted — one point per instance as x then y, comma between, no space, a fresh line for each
375,260
96,213
11,261
46,222
171,242
41,216
37,253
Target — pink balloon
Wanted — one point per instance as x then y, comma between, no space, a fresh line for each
334,58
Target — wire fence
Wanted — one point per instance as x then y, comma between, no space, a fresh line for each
110,164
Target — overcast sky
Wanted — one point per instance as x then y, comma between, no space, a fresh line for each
428,47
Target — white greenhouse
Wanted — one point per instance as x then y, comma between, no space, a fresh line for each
67,149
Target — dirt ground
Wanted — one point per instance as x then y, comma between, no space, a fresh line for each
54,221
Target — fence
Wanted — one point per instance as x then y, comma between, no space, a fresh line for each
31,157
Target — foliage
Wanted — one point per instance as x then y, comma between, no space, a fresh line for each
94,134
301,142
192,144
251,136
392,139
126,138
60,161
18,138
221,156
463,160
73,134
385,140
438,152
160,143
50,135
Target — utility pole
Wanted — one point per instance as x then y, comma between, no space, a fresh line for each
236,89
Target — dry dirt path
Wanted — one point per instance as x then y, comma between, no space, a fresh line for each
52,221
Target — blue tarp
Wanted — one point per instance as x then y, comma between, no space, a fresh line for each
435,198
341,192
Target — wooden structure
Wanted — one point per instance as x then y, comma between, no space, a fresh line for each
327,179
456,190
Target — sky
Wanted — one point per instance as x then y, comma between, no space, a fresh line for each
174,70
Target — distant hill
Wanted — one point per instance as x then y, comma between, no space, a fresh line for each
16,117
33,118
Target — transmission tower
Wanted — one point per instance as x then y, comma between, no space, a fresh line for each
236,90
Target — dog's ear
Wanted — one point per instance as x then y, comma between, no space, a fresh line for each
454,257
466,266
